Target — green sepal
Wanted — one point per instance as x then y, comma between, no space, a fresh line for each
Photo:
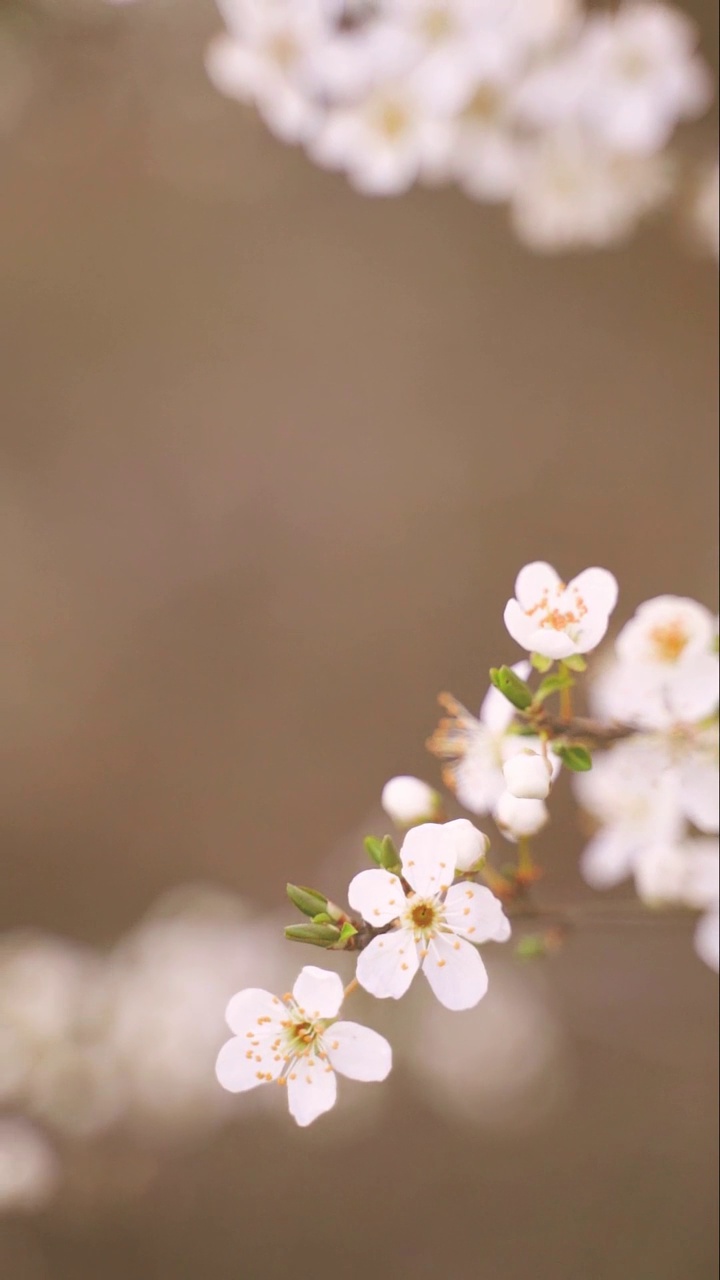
573,756
509,684
540,662
575,662
553,684
383,852
318,935
309,901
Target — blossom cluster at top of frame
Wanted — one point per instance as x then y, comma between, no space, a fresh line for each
563,113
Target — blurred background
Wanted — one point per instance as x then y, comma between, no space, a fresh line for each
272,456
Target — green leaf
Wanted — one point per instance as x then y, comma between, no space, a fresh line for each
575,662
573,756
540,662
553,684
318,935
309,901
512,687
347,932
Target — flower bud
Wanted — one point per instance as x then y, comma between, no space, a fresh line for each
310,901
517,818
471,845
409,801
318,935
528,776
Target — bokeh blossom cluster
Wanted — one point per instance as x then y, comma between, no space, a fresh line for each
563,113
646,772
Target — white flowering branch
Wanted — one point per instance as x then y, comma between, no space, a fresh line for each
646,770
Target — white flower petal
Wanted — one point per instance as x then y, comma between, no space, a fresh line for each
598,588
377,895
388,965
551,643
358,1052
699,794
243,1064
693,687
455,972
312,1090
428,859
318,992
474,912
247,1006
534,581
591,632
608,857
521,627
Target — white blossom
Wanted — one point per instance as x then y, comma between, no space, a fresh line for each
385,142
640,76
407,800
637,804
528,776
265,59
297,1041
476,748
685,873
666,632
432,928
556,619
572,193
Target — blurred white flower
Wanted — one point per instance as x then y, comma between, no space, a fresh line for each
520,819
572,193
528,776
556,619
433,926
296,1041
384,143
168,985
640,75
485,154
266,60
505,1071
627,79
407,800
629,792
667,631
685,873
29,1170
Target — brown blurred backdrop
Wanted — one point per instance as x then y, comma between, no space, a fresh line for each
272,456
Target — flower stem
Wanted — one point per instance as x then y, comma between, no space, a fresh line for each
526,865
565,697
351,986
